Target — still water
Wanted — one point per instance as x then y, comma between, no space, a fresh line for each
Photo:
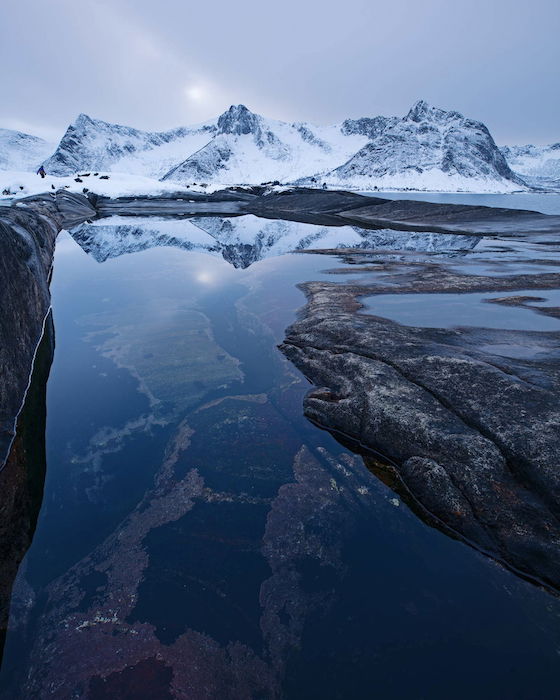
198,533
467,309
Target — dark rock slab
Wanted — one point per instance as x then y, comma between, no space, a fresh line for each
228,201
302,203
28,232
168,207
27,241
454,217
473,436
22,477
311,201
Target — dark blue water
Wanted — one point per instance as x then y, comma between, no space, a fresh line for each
196,526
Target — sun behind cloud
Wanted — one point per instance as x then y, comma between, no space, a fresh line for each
196,93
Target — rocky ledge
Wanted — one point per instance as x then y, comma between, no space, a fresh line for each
471,432
28,232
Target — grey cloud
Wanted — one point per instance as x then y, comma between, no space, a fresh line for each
157,65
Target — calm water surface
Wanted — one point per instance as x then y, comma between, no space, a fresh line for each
196,526
470,309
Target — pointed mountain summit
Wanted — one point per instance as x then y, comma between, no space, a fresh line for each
423,111
239,120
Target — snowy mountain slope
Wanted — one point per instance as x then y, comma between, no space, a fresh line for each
368,126
92,144
23,152
428,148
539,165
249,149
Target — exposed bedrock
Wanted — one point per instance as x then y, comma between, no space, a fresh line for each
371,212
454,217
22,477
474,436
28,232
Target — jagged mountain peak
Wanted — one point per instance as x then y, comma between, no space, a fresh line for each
83,119
239,120
93,144
422,111
419,110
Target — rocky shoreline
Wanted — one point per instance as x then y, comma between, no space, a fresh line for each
472,434
334,208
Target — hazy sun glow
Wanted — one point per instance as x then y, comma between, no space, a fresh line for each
205,277
195,93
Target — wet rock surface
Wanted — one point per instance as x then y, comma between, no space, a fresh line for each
28,232
472,430
455,217
27,240
22,477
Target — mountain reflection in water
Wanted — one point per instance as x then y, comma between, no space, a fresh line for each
199,537
244,240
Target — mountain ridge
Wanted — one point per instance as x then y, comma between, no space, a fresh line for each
429,148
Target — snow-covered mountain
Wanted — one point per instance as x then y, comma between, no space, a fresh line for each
429,148
249,149
19,151
92,144
244,240
239,147
537,165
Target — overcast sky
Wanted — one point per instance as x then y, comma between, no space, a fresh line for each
158,64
